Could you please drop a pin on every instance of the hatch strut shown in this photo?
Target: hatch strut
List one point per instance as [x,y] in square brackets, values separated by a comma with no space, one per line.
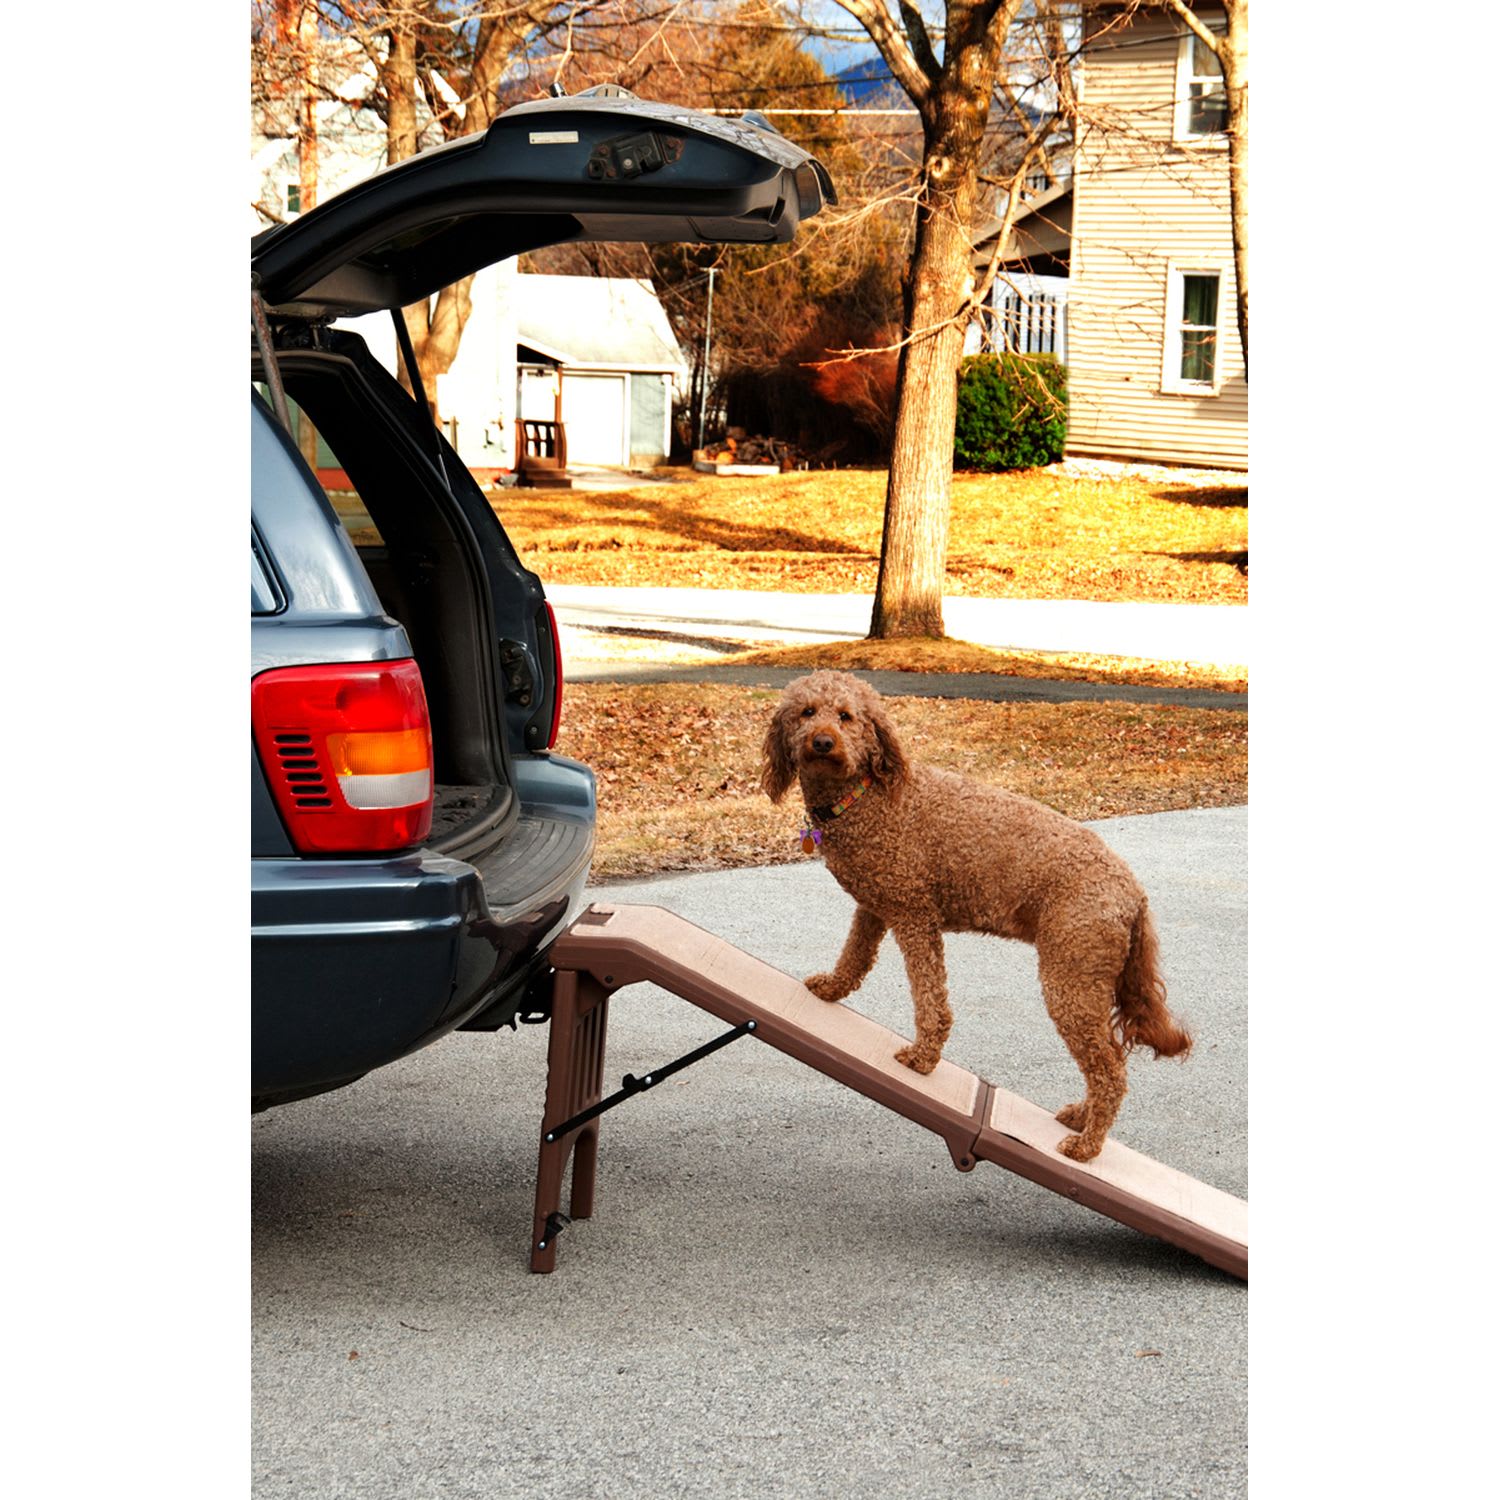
[267,354]
[409,359]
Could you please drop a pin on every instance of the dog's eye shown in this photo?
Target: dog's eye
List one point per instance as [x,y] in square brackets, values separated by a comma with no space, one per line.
[809,711]
[845,716]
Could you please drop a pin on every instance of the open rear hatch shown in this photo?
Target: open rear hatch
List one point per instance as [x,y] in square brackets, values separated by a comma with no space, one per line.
[602,165]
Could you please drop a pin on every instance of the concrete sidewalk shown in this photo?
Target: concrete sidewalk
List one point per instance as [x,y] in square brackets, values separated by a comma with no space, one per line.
[1208,633]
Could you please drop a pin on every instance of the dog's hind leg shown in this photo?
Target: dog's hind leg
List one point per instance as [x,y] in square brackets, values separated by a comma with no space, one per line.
[922,948]
[1080,1009]
[857,959]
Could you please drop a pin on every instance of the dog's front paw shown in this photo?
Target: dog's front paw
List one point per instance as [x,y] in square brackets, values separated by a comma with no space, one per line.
[1076,1147]
[827,986]
[918,1058]
[1074,1116]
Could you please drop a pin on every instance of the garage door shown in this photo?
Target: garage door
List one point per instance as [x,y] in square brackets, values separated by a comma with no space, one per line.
[593,408]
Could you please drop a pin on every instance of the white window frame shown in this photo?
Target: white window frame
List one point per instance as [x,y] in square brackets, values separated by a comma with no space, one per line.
[1172,383]
[1183,99]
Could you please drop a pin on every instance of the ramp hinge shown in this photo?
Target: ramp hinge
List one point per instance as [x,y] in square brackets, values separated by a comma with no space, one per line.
[630,1085]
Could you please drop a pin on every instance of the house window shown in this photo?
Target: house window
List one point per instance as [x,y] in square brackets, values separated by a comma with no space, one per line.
[294,197]
[1190,352]
[1202,108]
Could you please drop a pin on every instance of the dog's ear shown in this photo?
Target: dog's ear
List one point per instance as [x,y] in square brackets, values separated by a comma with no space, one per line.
[778,771]
[888,765]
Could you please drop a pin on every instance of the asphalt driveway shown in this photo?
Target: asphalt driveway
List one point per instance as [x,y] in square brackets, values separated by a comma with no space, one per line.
[785,1290]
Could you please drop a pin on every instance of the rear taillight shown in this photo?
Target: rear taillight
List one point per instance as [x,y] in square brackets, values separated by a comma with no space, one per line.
[557,677]
[348,752]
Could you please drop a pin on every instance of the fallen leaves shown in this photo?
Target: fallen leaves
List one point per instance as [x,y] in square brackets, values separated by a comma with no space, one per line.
[678,765]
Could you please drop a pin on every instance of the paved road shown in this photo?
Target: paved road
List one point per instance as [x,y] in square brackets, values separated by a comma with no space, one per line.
[988,687]
[785,1290]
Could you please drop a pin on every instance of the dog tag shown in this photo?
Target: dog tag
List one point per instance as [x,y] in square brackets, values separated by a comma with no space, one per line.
[811,838]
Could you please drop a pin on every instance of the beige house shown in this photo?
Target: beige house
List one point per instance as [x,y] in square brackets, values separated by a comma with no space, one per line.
[1155,369]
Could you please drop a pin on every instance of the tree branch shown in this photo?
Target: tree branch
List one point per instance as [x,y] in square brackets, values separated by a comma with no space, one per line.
[893,47]
[921,43]
[1195,25]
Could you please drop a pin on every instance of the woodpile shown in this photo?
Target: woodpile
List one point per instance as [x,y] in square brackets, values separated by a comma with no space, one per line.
[738,447]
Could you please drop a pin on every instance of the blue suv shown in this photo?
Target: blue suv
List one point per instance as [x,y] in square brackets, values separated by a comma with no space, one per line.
[417,845]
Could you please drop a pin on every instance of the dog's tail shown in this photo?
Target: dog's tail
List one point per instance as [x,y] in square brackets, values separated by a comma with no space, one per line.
[1141,1015]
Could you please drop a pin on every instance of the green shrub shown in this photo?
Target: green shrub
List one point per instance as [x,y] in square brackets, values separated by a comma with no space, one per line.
[1012,411]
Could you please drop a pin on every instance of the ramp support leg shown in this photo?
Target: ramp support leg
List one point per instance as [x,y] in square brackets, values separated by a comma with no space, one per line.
[575,1076]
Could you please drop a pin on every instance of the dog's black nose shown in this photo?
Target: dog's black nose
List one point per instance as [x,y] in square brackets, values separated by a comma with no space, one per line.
[823,743]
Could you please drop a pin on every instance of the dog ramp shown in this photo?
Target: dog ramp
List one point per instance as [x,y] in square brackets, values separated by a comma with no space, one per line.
[609,947]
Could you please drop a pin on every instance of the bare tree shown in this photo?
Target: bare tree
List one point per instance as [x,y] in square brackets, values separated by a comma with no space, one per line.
[450,57]
[291,86]
[775,307]
[439,69]
[1233,52]
[953,98]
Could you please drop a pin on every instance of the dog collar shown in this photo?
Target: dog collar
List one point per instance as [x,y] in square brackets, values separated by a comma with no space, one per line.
[812,837]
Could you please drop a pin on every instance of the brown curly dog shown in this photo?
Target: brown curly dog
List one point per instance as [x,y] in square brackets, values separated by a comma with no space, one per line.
[924,852]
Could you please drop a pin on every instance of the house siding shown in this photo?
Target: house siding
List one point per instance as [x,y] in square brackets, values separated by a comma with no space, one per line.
[1142,204]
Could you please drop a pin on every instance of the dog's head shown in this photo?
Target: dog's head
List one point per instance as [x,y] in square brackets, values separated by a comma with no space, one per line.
[828,728]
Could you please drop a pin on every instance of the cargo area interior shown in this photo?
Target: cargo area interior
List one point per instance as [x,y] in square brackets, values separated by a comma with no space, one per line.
[421,559]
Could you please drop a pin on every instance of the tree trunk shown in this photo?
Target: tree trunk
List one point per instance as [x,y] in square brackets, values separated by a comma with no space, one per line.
[399,76]
[914,548]
[1233,52]
[1234,58]
[436,326]
[444,327]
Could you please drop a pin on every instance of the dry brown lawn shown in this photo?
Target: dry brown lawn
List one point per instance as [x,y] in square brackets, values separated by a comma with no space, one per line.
[679,765]
[1036,534]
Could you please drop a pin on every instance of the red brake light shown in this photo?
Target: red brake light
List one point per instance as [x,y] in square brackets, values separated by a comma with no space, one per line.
[347,750]
[557,676]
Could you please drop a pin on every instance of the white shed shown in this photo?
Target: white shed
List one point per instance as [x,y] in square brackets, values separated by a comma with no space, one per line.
[598,353]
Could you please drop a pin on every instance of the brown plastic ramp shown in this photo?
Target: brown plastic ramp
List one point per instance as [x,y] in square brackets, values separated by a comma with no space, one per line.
[609,947]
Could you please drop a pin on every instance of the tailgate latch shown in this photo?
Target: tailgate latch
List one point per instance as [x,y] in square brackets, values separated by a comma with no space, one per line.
[630,155]
[520,677]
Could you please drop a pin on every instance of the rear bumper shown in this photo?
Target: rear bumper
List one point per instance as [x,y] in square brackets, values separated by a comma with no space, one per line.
[355,963]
